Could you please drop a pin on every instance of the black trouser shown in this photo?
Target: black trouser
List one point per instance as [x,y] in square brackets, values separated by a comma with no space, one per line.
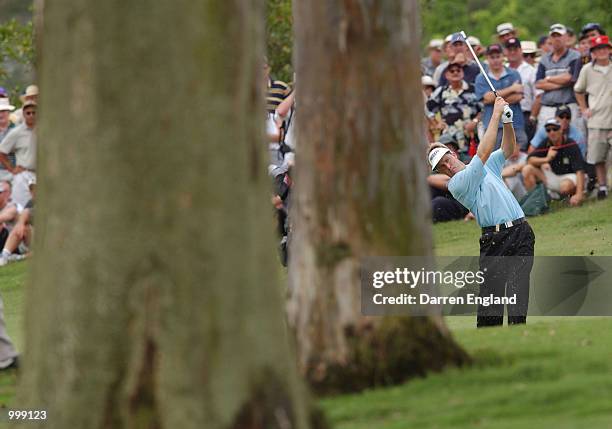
[506,258]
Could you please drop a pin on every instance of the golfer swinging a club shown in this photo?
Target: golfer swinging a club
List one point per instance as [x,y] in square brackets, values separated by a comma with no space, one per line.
[507,241]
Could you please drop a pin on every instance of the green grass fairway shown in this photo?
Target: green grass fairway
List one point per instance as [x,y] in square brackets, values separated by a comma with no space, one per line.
[551,374]
[565,231]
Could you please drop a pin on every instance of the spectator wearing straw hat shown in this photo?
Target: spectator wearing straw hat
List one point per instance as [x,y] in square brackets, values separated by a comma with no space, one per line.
[530,51]
[595,80]
[30,94]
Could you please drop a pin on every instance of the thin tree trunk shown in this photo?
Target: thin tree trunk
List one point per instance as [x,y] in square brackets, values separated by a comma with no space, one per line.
[360,191]
[154,300]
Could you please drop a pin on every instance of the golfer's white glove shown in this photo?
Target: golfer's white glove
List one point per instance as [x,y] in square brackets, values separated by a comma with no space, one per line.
[507,115]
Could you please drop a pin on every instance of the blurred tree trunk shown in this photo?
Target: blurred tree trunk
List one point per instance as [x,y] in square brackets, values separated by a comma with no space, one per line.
[360,191]
[155,300]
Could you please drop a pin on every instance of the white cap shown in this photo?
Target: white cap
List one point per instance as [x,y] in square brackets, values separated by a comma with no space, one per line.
[504,28]
[529,47]
[448,38]
[474,41]
[435,44]
[427,81]
[436,155]
[557,28]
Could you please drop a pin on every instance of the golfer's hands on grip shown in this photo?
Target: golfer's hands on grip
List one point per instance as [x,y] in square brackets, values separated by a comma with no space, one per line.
[498,106]
[507,115]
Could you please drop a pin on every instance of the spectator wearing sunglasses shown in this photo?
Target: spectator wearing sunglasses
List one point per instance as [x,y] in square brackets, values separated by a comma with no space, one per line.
[530,52]
[458,53]
[559,165]
[457,104]
[564,117]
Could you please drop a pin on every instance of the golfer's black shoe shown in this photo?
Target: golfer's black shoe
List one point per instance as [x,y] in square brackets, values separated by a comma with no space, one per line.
[517,320]
[484,321]
[602,195]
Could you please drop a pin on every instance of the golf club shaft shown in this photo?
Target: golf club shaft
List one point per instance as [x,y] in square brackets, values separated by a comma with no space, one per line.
[478,62]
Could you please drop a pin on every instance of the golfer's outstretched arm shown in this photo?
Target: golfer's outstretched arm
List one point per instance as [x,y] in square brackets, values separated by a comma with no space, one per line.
[489,139]
[508,140]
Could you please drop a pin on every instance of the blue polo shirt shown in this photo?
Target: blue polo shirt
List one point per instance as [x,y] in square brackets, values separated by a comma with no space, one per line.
[508,78]
[482,190]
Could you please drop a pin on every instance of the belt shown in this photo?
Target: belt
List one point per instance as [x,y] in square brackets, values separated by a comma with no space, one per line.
[502,226]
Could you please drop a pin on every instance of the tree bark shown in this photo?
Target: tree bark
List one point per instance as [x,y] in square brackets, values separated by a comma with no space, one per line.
[360,191]
[154,300]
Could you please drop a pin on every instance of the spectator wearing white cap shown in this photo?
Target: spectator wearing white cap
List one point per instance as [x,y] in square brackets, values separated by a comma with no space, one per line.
[559,165]
[476,45]
[5,126]
[514,54]
[556,75]
[505,31]
[433,60]
[428,85]
[449,53]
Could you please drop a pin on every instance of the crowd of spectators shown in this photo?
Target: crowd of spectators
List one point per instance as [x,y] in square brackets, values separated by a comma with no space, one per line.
[17,173]
[560,91]
[558,87]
